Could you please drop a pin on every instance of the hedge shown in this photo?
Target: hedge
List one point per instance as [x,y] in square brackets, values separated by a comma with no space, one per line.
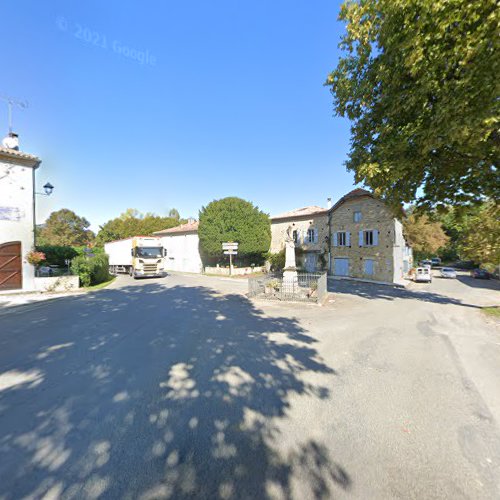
[91,270]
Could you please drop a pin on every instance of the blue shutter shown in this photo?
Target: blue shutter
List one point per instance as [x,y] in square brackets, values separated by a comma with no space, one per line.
[348,238]
[315,235]
[335,240]
[298,236]
[361,238]
[375,237]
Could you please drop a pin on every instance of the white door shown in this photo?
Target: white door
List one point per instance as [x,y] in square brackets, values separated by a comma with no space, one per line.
[340,267]
[310,262]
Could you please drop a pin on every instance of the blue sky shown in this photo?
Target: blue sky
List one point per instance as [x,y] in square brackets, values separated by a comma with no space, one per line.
[153,105]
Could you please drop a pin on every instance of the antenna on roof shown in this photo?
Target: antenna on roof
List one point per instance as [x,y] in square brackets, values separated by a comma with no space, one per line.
[13,102]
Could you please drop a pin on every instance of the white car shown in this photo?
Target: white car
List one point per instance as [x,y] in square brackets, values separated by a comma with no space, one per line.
[448,272]
[423,275]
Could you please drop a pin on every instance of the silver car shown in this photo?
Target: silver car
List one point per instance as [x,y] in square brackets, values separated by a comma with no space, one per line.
[448,272]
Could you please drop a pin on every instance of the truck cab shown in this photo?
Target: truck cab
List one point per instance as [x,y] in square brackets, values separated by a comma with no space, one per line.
[148,257]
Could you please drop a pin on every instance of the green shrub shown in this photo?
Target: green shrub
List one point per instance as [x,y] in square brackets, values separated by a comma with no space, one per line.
[56,255]
[91,270]
[276,260]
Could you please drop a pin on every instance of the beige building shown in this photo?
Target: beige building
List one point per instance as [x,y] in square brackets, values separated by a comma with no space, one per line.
[310,233]
[358,238]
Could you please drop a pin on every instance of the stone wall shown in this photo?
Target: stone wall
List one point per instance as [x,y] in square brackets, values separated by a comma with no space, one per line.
[57,283]
[237,271]
[376,216]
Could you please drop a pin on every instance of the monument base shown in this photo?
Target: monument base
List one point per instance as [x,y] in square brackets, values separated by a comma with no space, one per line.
[290,280]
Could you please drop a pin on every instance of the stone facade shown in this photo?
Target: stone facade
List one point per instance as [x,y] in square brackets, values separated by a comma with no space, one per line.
[310,233]
[358,238]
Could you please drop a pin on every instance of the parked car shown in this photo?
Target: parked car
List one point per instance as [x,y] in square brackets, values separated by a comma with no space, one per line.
[425,263]
[448,272]
[480,274]
[423,275]
[436,261]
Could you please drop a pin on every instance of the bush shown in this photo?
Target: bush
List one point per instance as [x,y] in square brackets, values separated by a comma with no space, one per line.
[91,270]
[56,255]
[276,260]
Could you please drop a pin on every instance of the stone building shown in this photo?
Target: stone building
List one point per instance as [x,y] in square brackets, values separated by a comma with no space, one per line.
[310,233]
[17,179]
[358,238]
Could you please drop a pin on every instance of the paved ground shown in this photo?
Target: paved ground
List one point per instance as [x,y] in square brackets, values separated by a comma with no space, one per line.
[182,388]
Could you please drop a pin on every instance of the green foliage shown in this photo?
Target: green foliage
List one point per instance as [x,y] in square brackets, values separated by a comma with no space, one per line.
[234,220]
[423,234]
[65,228]
[56,255]
[133,223]
[276,260]
[480,240]
[419,82]
[91,270]
[474,233]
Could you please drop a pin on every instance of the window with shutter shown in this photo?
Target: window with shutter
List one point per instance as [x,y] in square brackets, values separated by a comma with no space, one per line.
[360,238]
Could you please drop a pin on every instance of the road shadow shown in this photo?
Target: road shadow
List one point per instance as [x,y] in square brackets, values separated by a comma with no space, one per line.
[155,392]
[388,292]
[491,284]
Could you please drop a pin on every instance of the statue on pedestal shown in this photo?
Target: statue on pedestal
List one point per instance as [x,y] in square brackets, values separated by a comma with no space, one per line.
[290,279]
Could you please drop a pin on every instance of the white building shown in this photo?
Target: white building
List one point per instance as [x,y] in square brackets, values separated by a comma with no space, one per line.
[181,244]
[17,209]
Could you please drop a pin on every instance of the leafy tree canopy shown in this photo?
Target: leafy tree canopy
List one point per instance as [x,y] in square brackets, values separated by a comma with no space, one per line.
[474,233]
[133,223]
[236,220]
[65,228]
[419,82]
[424,235]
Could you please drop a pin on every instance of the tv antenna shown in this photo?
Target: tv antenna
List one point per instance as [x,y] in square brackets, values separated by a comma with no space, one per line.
[10,103]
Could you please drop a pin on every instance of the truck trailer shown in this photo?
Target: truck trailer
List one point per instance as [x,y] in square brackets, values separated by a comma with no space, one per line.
[140,256]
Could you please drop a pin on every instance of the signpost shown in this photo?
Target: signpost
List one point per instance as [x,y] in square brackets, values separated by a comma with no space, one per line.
[230,249]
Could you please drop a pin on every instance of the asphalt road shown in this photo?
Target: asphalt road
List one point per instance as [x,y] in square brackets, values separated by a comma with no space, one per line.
[183,388]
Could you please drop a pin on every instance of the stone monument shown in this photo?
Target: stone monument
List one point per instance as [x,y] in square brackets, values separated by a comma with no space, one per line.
[290,279]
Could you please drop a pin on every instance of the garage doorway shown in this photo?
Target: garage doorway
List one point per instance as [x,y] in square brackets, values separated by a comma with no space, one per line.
[340,267]
[11,275]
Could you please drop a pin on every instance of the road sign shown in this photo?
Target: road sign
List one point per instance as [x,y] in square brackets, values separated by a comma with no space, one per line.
[230,252]
[229,246]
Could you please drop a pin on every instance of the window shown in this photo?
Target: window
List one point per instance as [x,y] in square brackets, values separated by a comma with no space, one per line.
[368,238]
[342,239]
[310,235]
[357,216]
[295,236]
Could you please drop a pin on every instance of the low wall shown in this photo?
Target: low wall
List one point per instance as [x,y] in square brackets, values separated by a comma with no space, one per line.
[57,283]
[237,271]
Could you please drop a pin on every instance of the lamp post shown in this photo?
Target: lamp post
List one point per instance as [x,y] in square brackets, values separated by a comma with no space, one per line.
[47,188]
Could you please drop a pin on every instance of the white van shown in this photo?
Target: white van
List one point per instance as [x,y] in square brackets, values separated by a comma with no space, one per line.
[423,275]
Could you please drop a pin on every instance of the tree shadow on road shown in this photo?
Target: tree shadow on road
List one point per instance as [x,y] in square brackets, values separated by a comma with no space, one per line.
[388,292]
[155,392]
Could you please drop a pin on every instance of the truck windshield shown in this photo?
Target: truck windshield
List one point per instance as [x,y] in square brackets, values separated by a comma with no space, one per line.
[148,251]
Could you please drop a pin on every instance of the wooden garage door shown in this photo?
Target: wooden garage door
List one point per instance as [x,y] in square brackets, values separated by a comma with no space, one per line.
[11,277]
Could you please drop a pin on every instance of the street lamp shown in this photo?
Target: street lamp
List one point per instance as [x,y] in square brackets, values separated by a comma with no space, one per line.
[48,188]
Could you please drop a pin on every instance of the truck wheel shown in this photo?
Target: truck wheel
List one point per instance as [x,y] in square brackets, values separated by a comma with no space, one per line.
[131,272]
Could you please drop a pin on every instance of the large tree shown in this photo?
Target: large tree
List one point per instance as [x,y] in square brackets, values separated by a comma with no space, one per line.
[423,234]
[419,81]
[65,228]
[133,223]
[234,220]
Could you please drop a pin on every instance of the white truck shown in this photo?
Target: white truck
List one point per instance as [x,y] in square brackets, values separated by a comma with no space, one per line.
[140,256]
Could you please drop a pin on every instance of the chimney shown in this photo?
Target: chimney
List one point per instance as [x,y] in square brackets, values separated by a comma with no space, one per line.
[328,203]
[11,141]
